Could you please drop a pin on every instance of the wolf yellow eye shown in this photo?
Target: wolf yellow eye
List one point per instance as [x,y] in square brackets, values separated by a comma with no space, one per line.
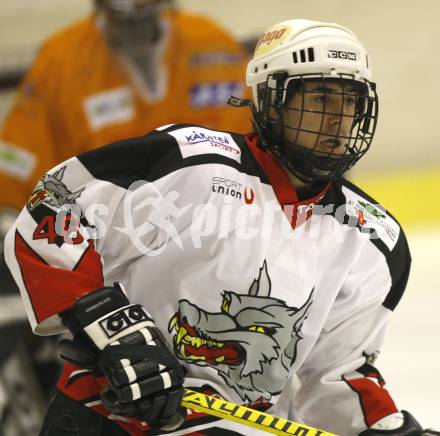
[225,305]
[257,328]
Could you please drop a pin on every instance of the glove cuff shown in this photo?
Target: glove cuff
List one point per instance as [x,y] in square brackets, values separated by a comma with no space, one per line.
[105,315]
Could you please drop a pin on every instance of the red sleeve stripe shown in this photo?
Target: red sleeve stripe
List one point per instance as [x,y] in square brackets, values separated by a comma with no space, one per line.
[376,402]
[52,289]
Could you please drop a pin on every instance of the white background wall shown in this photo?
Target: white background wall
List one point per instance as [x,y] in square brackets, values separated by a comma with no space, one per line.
[410,358]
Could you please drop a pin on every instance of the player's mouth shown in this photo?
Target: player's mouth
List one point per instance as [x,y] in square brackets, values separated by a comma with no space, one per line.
[332,145]
[193,345]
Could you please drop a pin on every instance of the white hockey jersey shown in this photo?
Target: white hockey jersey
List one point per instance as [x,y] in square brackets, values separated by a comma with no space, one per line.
[251,284]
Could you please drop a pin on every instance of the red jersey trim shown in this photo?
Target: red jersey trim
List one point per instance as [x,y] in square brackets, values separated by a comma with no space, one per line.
[83,387]
[376,402]
[52,290]
[295,210]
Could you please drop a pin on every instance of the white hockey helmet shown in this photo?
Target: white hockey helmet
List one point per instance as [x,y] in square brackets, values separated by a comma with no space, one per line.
[295,51]
[307,47]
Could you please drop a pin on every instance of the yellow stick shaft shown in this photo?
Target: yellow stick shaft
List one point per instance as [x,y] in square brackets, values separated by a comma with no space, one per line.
[246,416]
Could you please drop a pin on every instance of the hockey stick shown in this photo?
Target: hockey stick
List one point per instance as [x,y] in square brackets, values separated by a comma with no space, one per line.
[246,416]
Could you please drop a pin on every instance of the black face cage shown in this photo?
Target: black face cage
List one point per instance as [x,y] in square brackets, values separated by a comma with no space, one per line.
[311,163]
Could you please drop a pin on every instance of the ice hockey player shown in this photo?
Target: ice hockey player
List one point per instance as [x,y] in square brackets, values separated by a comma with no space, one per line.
[251,255]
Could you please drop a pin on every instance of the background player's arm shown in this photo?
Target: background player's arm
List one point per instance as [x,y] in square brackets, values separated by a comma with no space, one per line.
[28,138]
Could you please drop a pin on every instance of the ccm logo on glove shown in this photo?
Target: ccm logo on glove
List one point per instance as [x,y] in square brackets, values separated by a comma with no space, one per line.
[116,324]
[120,320]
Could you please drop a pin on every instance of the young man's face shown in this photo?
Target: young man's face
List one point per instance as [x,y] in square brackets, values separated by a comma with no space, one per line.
[320,116]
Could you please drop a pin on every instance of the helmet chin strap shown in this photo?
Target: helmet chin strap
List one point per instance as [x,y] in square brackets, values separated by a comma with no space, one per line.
[255,116]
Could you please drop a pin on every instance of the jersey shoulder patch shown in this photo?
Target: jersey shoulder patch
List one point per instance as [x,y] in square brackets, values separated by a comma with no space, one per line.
[388,237]
[197,140]
[370,214]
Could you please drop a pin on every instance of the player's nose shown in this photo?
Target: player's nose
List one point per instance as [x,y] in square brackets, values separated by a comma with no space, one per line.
[338,122]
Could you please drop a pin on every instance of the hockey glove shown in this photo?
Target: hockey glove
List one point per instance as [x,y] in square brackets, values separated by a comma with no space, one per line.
[410,427]
[122,341]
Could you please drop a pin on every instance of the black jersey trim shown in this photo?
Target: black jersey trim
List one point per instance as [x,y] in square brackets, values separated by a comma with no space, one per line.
[367,370]
[397,289]
[156,155]
[398,259]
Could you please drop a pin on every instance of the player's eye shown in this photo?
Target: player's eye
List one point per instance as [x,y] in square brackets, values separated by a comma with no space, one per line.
[226,304]
[321,98]
[350,101]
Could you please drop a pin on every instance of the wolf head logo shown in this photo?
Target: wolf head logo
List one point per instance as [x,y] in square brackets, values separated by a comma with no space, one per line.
[51,190]
[251,342]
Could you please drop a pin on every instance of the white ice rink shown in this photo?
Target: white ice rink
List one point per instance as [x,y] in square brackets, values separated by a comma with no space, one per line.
[410,359]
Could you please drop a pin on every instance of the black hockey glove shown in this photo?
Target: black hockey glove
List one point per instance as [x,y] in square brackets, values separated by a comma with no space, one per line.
[410,427]
[121,341]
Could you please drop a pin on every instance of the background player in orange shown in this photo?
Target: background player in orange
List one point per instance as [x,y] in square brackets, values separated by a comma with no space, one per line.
[131,66]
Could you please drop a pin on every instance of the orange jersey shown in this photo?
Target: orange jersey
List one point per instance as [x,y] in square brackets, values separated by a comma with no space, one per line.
[79,95]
